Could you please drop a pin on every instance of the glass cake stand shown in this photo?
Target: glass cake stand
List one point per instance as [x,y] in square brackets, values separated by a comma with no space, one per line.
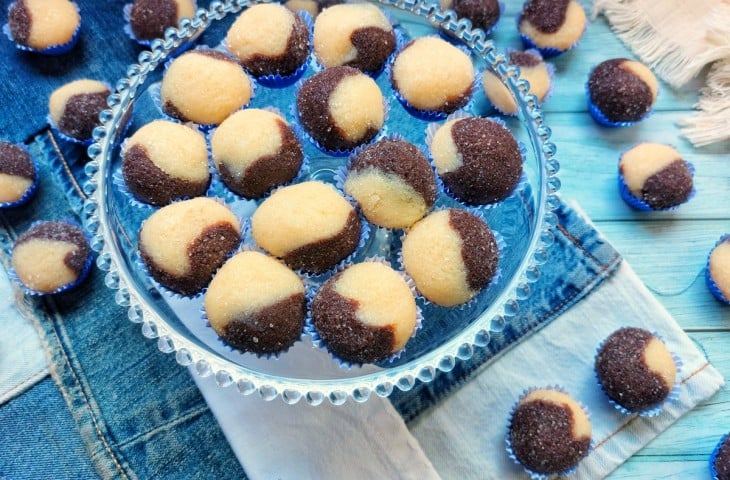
[523,221]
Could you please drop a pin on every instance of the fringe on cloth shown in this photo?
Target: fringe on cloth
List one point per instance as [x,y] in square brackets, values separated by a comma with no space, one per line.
[712,123]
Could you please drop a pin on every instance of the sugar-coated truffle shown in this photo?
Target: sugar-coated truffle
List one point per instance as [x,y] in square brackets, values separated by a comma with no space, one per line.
[17,173]
[269,39]
[721,462]
[309,225]
[164,161]
[549,432]
[255,150]
[341,108]
[451,256]
[657,175]
[256,304]
[149,19]
[184,243]
[392,182]
[552,24]
[205,87]
[51,256]
[312,7]
[433,75]
[483,14]
[718,268]
[365,313]
[41,24]
[478,159]
[75,107]
[635,369]
[358,35]
[622,90]
[532,68]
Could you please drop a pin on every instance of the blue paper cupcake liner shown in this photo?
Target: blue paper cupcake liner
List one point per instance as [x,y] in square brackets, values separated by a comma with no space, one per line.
[640,204]
[449,37]
[711,284]
[82,276]
[53,49]
[546,52]
[601,119]
[127,14]
[25,198]
[713,469]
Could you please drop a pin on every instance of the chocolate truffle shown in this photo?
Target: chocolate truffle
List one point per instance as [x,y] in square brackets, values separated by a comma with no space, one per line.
[42,24]
[552,25]
[532,69]
[483,14]
[718,269]
[312,7]
[17,174]
[164,161]
[309,225]
[451,256]
[430,74]
[205,87]
[358,35]
[51,257]
[657,175]
[269,39]
[365,313]
[622,90]
[149,19]
[392,182]
[549,432]
[256,304]
[75,107]
[635,369]
[255,150]
[478,159]
[184,243]
[721,460]
[341,108]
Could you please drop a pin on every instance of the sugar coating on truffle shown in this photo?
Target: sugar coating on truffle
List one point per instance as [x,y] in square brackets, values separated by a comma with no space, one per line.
[256,304]
[720,267]
[163,161]
[312,7]
[433,75]
[635,369]
[623,90]
[185,242]
[340,107]
[255,150]
[365,313]
[42,24]
[721,463]
[269,39]
[656,174]
[392,182]
[549,431]
[555,24]
[50,256]
[309,225]
[17,172]
[482,13]
[358,35]
[204,86]
[478,159]
[451,256]
[532,69]
[150,18]
[75,107]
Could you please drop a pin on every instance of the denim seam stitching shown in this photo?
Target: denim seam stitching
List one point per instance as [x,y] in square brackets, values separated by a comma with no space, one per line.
[65,165]
[195,413]
[29,379]
[576,242]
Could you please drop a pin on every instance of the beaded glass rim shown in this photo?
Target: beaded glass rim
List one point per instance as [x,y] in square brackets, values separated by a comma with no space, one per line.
[337,391]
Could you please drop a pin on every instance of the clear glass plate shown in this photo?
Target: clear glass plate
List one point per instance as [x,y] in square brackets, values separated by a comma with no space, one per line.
[524,222]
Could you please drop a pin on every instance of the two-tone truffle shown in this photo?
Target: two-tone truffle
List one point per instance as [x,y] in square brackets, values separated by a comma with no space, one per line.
[451,256]
[478,159]
[549,432]
[75,107]
[392,182]
[51,257]
[552,26]
[205,87]
[621,91]
[718,270]
[184,243]
[532,68]
[164,161]
[655,174]
[432,75]
[18,175]
[358,35]
[256,304]
[309,225]
[483,14]
[365,313]
[255,150]
[341,108]
[148,19]
[269,40]
[720,460]
[635,369]
[43,24]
